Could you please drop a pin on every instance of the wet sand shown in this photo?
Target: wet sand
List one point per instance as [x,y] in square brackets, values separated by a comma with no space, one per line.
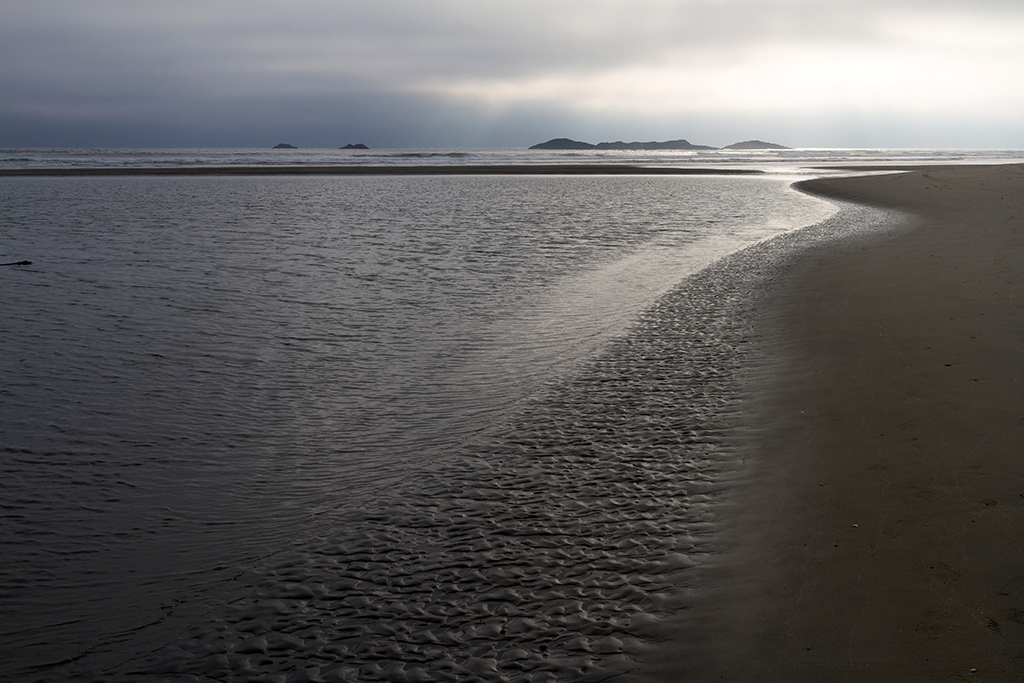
[879,535]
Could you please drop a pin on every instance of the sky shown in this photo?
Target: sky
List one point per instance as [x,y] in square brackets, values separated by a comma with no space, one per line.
[511,73]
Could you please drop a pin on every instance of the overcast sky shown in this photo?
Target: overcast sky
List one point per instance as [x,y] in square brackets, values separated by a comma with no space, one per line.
[509,73]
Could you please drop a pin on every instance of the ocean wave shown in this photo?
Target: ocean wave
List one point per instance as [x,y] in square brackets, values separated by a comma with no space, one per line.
[418,155]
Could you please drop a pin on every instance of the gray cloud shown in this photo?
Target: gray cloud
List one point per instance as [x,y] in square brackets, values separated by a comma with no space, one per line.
[238,72]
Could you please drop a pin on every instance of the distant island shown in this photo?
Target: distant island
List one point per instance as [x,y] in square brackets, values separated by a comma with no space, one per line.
[755,144]
[285,145]
[563,143]
[567,144]
[358,145]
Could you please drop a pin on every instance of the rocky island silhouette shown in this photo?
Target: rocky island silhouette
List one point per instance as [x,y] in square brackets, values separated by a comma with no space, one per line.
[569,144]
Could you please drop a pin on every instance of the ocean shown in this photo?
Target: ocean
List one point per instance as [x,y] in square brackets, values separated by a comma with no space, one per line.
[367,428]
[776,161]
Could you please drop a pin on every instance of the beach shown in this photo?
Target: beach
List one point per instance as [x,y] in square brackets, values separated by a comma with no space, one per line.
[876,537]
[798,464]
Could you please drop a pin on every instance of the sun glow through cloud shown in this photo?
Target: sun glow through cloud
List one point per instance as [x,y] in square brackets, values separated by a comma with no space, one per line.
[941,66]
[784,78]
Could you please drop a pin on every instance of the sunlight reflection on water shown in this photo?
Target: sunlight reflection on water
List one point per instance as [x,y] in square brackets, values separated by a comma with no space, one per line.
[200,371]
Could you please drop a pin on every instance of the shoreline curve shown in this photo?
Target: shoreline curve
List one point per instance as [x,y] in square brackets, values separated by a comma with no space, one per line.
[876,535]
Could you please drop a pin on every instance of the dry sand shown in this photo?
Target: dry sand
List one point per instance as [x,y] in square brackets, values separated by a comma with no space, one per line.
[881,534]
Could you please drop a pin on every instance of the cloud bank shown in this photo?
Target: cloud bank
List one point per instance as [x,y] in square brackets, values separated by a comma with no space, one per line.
[395,73]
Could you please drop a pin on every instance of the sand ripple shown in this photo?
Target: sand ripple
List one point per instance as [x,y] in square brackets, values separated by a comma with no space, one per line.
[550,549]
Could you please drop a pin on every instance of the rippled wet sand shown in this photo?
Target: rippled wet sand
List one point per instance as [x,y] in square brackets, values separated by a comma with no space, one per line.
[560,546]
[544,552]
